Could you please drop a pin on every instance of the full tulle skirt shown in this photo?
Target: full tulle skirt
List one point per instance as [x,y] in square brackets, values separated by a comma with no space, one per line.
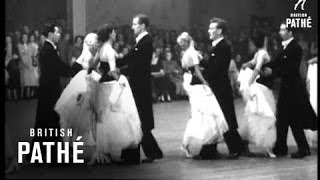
[118,124]
[207,123]
[312,80]
[75,107]
[259,113]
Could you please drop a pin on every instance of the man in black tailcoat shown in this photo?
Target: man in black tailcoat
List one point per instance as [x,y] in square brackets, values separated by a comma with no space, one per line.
[218,79]
[136,65]
[293,108]
[51,68]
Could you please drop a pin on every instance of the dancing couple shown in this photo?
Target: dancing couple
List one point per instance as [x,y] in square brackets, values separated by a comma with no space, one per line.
[213,117]
[111,112]
[268,122]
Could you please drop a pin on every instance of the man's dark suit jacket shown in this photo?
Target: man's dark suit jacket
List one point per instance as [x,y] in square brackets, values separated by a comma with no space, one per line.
[137,67]
[219,82]
[293,103]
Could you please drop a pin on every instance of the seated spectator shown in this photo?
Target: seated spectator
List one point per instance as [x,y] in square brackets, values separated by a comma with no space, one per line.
[173,72]
[76,49]
[36,36]
[12,69]
[158,77]
[64,47]
[42,40]
[26,30]
[27,75]
[34,49]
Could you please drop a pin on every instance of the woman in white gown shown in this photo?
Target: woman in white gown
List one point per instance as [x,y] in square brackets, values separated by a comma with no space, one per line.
[118,124]
[207,123]
[74,106]
[259,126]
[312,82]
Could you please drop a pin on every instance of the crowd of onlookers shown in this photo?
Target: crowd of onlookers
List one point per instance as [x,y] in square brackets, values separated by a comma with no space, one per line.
[22,52]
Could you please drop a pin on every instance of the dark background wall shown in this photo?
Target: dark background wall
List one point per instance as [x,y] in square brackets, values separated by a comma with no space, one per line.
[34,13]
[162,13]
[239,13]
[168,14]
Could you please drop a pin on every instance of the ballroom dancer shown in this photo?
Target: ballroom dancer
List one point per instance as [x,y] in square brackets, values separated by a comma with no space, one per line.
[259,99]
[51,68]
[312,81]
[207,123]
[118,125]
[137,65]
[74,105]
[293,106]
[219,82]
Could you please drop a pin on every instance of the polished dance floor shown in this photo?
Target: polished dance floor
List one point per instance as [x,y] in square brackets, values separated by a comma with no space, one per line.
[170,121]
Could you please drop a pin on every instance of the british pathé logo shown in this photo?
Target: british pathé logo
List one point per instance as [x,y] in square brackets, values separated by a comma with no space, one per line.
[300,2]
[298,19]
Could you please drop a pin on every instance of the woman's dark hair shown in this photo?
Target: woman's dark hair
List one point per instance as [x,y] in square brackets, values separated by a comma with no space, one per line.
[31,34]
[13,42]
[77,37]
[258,39]
[11,36]
[221,24]
[22,34]
[104,32]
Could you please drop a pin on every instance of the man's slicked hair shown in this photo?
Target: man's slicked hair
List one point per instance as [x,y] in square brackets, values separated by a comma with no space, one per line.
[48,28]
[143,19]
[222,24]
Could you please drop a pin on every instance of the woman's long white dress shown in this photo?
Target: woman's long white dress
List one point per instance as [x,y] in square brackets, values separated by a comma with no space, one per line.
[34,48]
[104,114]
[118,124]
[27,76]
[312,78]
[259,126]
[207,123]
[75,105]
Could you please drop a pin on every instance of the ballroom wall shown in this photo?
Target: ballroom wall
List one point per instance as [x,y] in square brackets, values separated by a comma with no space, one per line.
[34,13]
[162,13]
[82,16]
[238,13]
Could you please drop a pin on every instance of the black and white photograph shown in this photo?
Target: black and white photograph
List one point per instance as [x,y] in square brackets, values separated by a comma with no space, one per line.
[160,89]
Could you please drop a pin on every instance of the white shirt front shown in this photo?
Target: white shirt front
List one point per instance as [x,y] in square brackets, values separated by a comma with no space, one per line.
[215,42]
[140,36]
[286,42]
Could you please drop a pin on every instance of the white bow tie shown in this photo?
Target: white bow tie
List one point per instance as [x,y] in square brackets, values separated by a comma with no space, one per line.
[215,43]
[284,43]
